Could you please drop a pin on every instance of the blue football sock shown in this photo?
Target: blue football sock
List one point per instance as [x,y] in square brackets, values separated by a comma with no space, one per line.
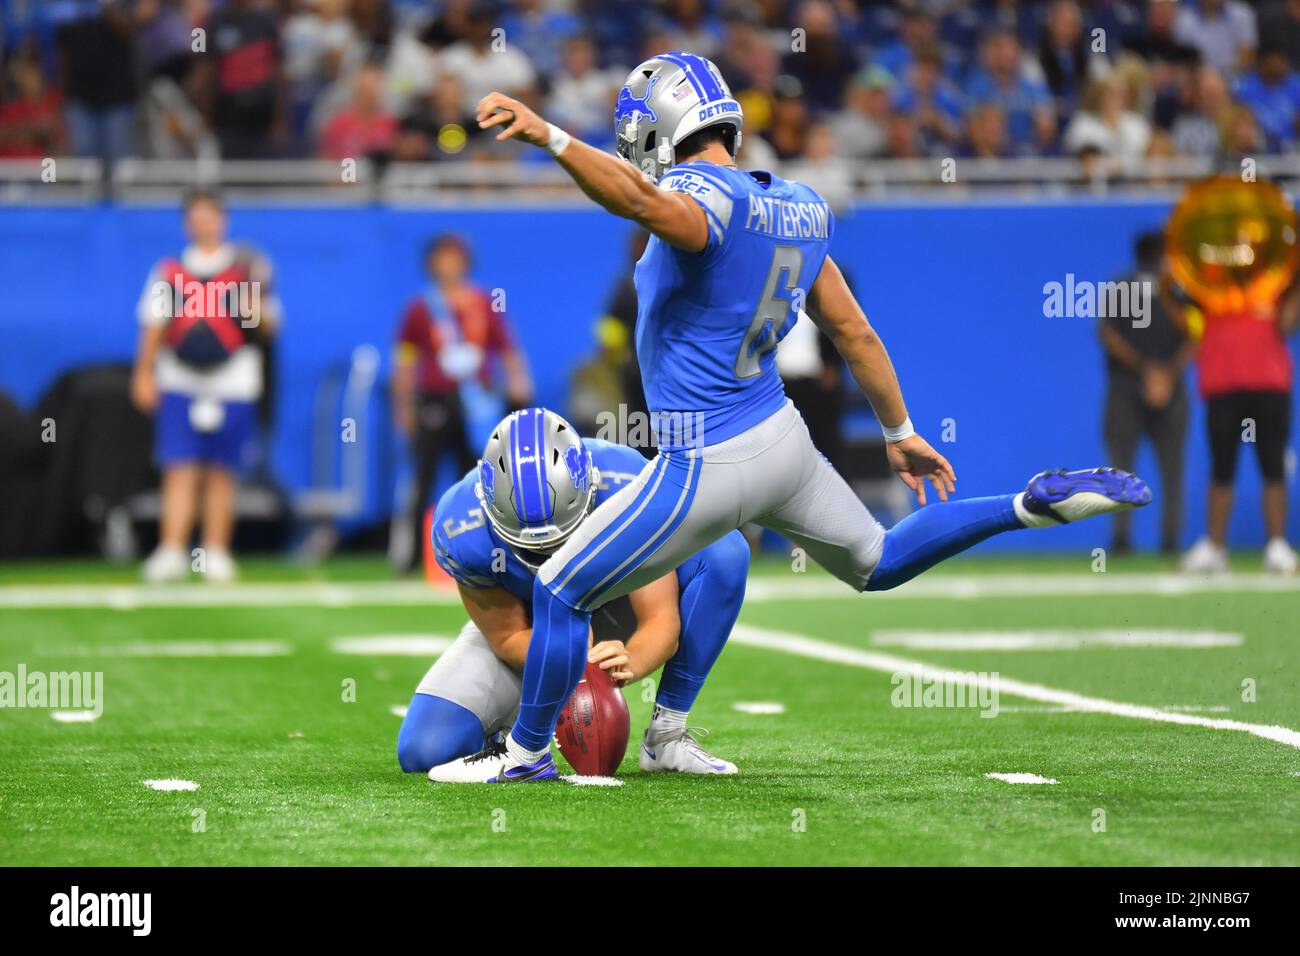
[712,586]
[436,731]
[936,532]
[557,656]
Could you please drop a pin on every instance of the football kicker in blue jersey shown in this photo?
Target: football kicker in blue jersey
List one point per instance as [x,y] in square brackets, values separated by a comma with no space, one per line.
[767,241]
[736,256]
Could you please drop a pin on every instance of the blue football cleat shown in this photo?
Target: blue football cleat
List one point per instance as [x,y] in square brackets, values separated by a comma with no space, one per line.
[1063,496]
[543,769]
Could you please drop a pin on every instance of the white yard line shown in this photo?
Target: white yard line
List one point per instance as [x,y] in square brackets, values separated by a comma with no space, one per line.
[171,784]
[1019,778]
[1185,708]
[759,707]
[760,590]
[580,781]
[1198,708]
[1053,639]
[796,587]
[128,597]
[399,645]
[1039,709]
[814,649]
[184,648]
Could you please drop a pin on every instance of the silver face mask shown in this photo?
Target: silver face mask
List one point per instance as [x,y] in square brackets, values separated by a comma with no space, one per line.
[536,482]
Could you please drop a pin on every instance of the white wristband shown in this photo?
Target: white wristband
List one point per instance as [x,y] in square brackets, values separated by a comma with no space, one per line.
[558,141]
[898,432]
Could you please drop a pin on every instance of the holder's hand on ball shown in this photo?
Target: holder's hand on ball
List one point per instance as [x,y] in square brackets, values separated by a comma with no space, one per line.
[612,657]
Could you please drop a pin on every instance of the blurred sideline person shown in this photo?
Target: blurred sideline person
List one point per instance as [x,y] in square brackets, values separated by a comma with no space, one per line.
[596,387]
[1146,395]
[240,84]
[493,530]
[622,308]
[199,369]
[451,343]
[1246,373]
[97,79]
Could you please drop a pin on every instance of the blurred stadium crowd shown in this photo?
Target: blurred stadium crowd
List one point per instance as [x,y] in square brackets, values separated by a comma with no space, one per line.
[398,79]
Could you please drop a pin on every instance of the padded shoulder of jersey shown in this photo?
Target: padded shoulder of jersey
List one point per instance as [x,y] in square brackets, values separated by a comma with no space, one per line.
[460,534]
[774,185]
[723,178]
[713,187]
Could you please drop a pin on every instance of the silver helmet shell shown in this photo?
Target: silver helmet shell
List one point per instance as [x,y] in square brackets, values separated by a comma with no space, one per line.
[666,99]
[536,481]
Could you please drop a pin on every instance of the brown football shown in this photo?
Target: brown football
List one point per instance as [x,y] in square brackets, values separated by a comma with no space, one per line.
[594,725]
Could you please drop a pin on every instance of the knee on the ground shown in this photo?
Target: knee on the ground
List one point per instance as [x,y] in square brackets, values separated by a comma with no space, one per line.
[436,731]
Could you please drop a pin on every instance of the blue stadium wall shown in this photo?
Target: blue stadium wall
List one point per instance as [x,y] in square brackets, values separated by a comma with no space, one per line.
[955,290]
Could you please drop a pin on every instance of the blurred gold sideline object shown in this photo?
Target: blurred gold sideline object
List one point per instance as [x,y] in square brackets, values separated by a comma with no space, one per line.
[1232,244]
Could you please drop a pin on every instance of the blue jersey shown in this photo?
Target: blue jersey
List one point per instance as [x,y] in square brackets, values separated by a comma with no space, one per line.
[708,323]
[467,548]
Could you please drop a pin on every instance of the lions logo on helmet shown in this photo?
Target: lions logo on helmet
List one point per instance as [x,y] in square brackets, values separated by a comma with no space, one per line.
[578,460]
[665,100]
[630,106]
[486,482]
[536,482]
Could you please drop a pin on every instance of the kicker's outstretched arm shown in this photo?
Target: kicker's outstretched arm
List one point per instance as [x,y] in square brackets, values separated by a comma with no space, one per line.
[611,182]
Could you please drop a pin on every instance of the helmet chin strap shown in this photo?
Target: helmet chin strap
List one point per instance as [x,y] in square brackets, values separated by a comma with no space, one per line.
[666,154]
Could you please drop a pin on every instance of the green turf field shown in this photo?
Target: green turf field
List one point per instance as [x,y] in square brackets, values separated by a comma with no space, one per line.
[290,772]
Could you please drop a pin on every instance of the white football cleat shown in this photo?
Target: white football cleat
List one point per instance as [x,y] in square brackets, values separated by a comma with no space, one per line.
[680,751]
[218,566]
[1279,557]
[494,765]
[1204,557]
[166,564]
